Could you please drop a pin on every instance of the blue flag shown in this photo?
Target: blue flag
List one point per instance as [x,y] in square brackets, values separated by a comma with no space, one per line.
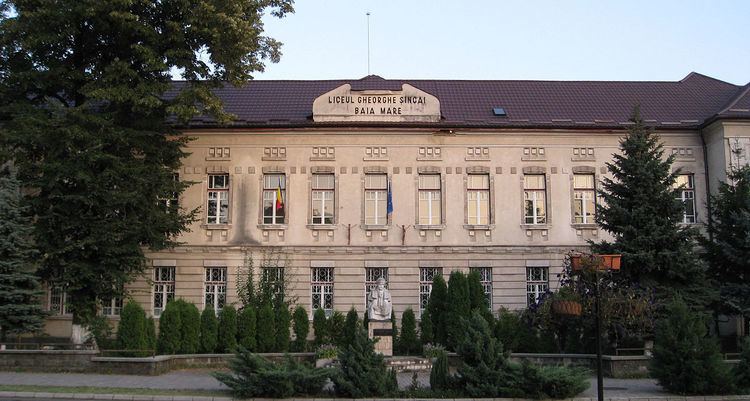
[389,206]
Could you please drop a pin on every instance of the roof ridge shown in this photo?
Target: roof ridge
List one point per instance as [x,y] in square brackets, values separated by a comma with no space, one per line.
[742,92]
[698,74]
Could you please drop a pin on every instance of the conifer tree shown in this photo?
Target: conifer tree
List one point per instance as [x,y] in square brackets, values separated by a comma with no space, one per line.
[477,300]
[209,331]
[408,342]
[266,329]
[459,308]
[437,307]
[131,331]
[282,321]
[170,334]
[686,360]
[246,328]
[727,246]
[227,333]
[641,210]
[190,323]
[85,112]
[363,372]
[742,370]
[350,327]
[301,329]
[320,328]
[394,331]
[336,328]
[150,334]
[426,329]
[20,292]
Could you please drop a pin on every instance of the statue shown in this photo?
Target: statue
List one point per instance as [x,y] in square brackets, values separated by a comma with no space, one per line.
[379,301]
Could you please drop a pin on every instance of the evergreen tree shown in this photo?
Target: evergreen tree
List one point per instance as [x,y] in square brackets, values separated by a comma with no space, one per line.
[394,331]
[85,112]
[509,329]
[150,334]
[20,292]
[320,328]
[209,331]
[132,330]
[727,247]
[437,307]
[686,360]
[190,321]
[742,370]
[439,376]
[169,341]
[282,322]
[477,300]
[362,371]
[266,329]
[227,333]
[459,308]
[408,342]
[641,210]
[350,327]
[246,328]
[336,328]
[301,329]
[426,329]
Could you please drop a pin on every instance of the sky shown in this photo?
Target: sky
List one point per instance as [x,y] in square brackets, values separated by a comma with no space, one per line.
[634,40]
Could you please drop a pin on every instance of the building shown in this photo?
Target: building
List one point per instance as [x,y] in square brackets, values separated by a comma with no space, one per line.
[497,176]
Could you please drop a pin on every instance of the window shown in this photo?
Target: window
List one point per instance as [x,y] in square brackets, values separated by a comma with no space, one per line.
[58,300]
[485,276]
[216,288]
[171,202]
[274,276]
[372,274]
[323,207]
[534,198]
[163,288]
[478,198]
[686,194]
[218,199]
[430,212]
[376,199]
[112,306]
[274,198]
[584,199]
[321,286]
[537,283]
[426,275]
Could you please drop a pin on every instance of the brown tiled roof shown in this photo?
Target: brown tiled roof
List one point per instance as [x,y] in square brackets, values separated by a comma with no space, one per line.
[687,103]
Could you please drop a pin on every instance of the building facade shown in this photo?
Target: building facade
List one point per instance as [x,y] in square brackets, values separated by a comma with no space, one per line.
[355,180]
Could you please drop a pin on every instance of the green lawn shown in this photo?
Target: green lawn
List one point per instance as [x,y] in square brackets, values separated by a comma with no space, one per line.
[110,390]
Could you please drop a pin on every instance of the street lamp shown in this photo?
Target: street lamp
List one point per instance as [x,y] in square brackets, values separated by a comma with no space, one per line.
[596,263]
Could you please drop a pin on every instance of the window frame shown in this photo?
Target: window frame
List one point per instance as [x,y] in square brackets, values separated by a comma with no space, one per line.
[271,193]
[112,307]
[544,191]
[485,274]
[369,189]
[574,192]
[167,290]
[63,305]
[536,287]
[685,189]
[478,191]
[434,221]
[426,278]
[218,191]
[322,277]
[319,195]
[216,287]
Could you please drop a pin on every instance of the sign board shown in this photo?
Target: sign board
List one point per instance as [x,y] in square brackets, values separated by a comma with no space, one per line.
[407,105]
[382,332]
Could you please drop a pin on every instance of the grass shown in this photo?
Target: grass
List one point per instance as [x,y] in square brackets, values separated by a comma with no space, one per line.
[110,390]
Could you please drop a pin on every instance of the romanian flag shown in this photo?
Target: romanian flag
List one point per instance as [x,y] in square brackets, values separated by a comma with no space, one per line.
[279,199]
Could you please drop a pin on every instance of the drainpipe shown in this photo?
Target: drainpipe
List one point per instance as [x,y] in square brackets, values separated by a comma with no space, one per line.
[708,185]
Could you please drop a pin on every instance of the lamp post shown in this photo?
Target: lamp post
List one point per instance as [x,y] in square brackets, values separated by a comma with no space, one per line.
[597,263]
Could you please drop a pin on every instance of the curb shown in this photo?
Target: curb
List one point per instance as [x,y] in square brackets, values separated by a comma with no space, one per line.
[129,397]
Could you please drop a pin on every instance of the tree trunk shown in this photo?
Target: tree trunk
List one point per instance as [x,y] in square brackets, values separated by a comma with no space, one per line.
[79,334]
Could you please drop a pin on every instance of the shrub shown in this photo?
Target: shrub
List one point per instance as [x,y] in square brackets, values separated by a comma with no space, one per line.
[742,370]
[545,382]
[408,342]
[439,378]
[320,327]
[170,325]
[266,329]
[209,331]
[394,331]
[282,329]
[336,328]
[190,320]
[150,334]
[301,329]
[350,327]
[254,376]
[131,333]
[477,300]
[100,331]
[437,307]
[246,328]
[363,372]
[326,351]
[458,309]
[227,336]
[686,360]
[433,351]
[508,329]
[425,329]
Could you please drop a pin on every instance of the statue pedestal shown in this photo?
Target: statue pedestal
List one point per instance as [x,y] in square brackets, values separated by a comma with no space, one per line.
[382,331]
